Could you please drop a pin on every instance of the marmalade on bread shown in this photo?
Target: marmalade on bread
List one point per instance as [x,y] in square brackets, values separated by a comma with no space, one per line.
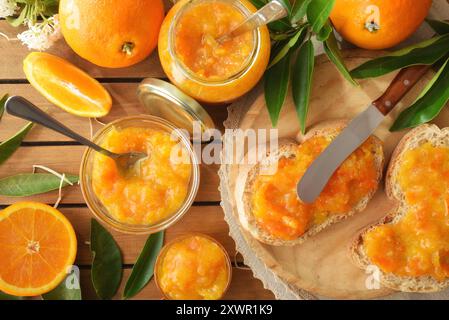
[276,206]
[417,244]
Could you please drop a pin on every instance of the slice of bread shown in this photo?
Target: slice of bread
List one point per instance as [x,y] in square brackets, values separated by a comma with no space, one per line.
[416,137]
[287,149]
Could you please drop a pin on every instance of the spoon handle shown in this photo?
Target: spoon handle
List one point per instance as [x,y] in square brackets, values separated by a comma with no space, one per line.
[22,108]
[274,10]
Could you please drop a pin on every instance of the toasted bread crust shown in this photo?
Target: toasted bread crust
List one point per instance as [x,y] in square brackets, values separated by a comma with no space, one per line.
[417,136]
[287,149]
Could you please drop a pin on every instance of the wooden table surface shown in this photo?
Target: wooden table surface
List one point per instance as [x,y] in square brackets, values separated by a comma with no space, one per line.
[44,147]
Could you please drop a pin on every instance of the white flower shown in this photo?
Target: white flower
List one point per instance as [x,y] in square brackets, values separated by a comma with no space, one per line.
[7,8]
[42,35]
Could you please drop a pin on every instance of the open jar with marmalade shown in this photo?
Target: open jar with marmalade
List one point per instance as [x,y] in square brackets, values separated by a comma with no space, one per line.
[160,188]
[193,267]
[204,68]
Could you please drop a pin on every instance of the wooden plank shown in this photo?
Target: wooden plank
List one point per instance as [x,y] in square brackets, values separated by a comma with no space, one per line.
[204,219]
[125,103]
[13,52]
[243,287]
[67,159]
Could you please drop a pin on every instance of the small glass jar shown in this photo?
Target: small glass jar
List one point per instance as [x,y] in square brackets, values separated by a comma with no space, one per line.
[215,90]
[162,254]
[87,165]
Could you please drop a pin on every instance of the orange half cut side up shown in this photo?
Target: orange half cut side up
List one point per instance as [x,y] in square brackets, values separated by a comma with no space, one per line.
[37,246]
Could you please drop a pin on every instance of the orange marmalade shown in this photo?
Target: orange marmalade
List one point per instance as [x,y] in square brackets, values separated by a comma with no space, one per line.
[208,70]
[157,191]
[197,47]
[417,244]
[276,206]
[194,267]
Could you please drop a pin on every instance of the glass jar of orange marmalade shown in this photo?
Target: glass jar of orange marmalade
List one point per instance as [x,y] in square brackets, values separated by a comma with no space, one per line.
[193,267]
[204,68]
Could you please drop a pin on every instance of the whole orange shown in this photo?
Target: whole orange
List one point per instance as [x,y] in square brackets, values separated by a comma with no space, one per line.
[378,24]
[111,33]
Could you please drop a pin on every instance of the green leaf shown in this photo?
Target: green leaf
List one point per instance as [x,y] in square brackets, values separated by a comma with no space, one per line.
[144,268]
[429,103]
[8,147]
[318,12]
[282,25]
[427,52]
[51,7]
[2,105]
[285,47]
[437,65]
[333,52]
[5,296]
[106,263]
[69,289]
[299,10]
[325,32]
[28,184]
[17,21]
[258,3]
[279,37]
[302,81]
[440,27]
[276,87]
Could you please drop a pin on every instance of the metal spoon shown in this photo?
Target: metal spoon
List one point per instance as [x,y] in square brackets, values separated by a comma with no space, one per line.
[22,108]
[270,12]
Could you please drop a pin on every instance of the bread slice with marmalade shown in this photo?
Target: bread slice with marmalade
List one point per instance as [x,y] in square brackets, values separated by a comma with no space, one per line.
[261,224]
[412,180]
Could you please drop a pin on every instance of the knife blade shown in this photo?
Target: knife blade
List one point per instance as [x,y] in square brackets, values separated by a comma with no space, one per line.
[321,170]
[355,134]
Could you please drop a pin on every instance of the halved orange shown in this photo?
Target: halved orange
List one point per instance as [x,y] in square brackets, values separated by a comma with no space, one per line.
[66,85]
[37,246]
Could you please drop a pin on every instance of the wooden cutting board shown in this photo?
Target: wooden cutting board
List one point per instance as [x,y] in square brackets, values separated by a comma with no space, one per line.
[321,265]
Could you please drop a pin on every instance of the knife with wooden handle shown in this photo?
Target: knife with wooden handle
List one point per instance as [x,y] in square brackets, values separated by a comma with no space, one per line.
[356,133]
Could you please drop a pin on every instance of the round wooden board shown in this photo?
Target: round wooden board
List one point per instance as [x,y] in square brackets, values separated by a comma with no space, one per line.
[321,265]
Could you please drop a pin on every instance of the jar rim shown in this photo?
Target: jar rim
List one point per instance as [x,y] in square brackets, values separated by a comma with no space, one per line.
[187,71]
[168,245]
[102,214]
